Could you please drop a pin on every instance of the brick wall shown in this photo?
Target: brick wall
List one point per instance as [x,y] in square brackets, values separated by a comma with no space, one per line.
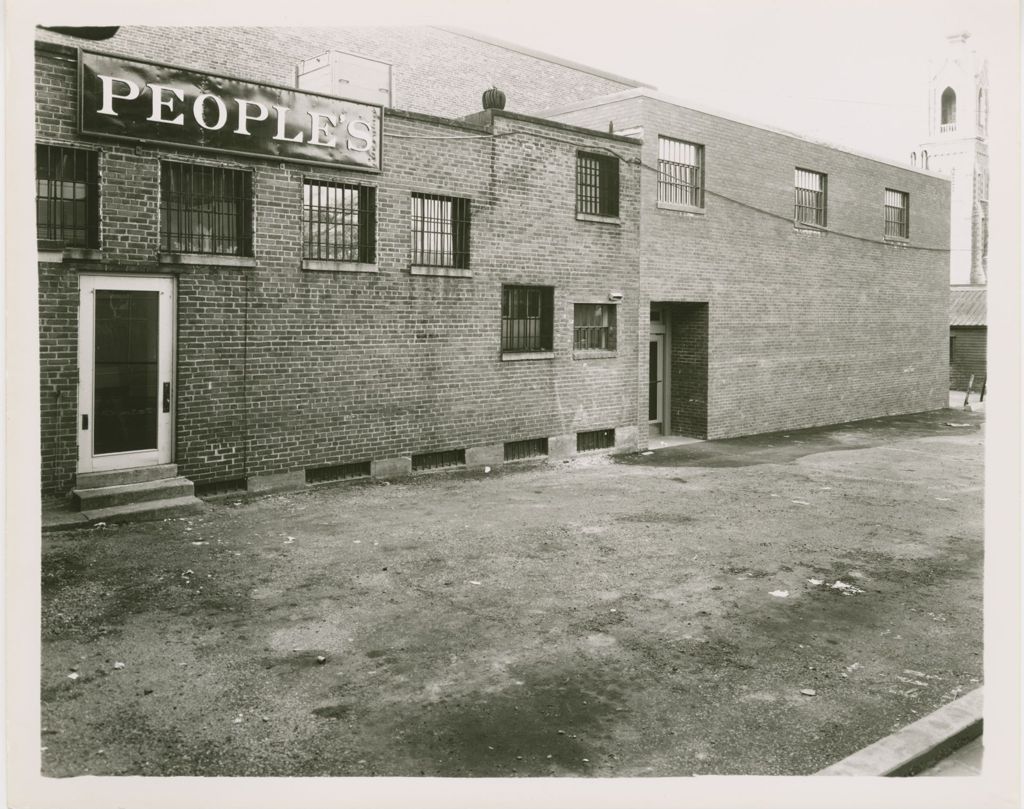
[688,369]
[280,368]
[434,71]
[806,327]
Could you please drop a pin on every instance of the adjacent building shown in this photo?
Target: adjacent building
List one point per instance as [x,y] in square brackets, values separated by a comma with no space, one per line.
[273,257]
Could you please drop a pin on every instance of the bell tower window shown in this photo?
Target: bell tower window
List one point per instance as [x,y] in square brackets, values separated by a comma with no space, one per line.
[948,120]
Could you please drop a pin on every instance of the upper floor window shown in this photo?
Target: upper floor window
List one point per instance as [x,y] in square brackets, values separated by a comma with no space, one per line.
[811,198]
[67,196]
[338,221]
[680,172]
[597,184]
[440,231]
[205,209]
[897,213]
[527,318]
[594,326]
[948,119]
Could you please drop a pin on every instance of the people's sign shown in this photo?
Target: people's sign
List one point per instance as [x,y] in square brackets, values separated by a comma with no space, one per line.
[144,101]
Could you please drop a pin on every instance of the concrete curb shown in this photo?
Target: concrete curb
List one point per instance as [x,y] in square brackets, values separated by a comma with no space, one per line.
[918,745]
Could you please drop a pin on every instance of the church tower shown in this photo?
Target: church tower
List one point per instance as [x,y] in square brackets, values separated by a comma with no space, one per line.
[957,146]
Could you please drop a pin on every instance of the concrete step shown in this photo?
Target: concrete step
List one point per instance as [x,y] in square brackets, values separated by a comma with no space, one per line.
[122,477]
[149,510]
[110,496]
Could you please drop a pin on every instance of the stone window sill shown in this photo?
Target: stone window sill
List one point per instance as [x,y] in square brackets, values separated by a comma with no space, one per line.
[897,241]
[326,265]
[519,356]
[594,354]
[592,217]
[677,206]
[444,272]
[55,254]
[207,259]
[804,227]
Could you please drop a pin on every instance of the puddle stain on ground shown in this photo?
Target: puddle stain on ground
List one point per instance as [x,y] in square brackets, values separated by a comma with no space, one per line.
[553,726]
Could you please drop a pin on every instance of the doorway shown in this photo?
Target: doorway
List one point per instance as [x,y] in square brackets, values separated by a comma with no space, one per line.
[656,388]
[125,360]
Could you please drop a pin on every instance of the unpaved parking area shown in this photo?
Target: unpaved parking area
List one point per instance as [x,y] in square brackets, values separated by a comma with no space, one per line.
[605,617]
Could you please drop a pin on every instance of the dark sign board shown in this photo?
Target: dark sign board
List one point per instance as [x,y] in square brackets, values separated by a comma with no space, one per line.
[124,98]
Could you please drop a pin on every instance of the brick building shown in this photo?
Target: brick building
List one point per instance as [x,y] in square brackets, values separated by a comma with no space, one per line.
[456,287]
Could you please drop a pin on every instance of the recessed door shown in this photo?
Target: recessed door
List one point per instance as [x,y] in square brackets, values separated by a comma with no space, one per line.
[126,353]
[656,385]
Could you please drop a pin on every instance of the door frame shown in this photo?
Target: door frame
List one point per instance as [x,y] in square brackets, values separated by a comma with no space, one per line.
[164,451]
[660,331]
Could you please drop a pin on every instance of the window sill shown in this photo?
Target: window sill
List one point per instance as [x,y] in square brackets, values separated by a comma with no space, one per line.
[444,272]
[519,356]
[594,354]
[328,265]
[678,206]
[897,241]
[805,227]
[57,253]
[207,259]
[593,217]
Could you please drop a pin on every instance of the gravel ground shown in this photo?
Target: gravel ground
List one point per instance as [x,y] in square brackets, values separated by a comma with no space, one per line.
[605,617]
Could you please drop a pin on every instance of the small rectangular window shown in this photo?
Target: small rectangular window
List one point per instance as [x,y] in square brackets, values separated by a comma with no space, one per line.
[67,196]
[594,326]
[528,448]
[595,439]
[205,209]
[527,318]
[597,184]
[338,221]
[811,198]
[897,214]
[680,172]
[438,460]
[440,231]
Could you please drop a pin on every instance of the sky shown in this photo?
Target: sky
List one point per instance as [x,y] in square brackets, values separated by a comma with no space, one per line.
[850,73]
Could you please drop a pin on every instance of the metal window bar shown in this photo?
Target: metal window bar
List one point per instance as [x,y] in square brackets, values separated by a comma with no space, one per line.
[594,326]
[67,196]
[527,448]
[595,439]
[438,460]
[205,209]
[440,231]
[897,213]
[597,184]
[338,222]
[810,208]
[526,318]
[680,172]
[346,471]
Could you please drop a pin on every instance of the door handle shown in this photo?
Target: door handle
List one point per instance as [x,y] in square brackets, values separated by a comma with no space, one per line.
[167,397]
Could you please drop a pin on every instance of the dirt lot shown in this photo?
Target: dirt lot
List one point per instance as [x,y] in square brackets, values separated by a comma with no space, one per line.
[606,617]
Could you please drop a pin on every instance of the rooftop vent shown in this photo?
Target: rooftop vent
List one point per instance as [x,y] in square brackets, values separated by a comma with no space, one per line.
[346,75]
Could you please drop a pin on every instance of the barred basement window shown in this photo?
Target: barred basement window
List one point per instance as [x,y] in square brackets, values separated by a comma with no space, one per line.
[205,209]
[595,439]
[527,318]
[594,326]
[339,222]
[67,196]
[440,231]
[897,213]
[811,199]
[680,172]
[345,471]
[438,460]
[528,448]
[597,184]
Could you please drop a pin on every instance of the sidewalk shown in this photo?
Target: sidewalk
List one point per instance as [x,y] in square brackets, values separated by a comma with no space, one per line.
[965,761]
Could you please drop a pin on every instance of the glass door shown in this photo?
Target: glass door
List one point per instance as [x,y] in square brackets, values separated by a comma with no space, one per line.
[126,354]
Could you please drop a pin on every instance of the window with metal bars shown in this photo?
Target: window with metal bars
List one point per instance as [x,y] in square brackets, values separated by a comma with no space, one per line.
[597,184]
[680,172]
[595,439]
[811,198]
[205,209]
[527,318]
[67,196]
[339,221]
[440,231]
[897,213]
[594,326]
